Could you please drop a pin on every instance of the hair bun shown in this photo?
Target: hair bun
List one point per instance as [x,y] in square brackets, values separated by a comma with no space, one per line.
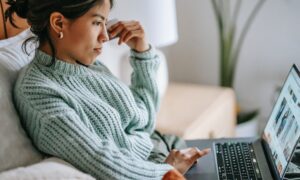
[18,6]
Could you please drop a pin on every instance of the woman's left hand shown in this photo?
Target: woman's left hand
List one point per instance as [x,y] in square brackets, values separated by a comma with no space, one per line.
[131,33]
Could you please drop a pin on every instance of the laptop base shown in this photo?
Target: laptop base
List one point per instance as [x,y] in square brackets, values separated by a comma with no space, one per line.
[205,169]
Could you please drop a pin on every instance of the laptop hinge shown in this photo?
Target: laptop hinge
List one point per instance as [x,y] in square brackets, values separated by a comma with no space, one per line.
[268,157]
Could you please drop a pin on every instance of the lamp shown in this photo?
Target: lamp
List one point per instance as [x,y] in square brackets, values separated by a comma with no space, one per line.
[158,18]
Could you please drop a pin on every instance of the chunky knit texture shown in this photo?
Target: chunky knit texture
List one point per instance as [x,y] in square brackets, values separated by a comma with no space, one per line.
[89,118]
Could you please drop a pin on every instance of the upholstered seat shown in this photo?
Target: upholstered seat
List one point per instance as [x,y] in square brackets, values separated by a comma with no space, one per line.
[194,111]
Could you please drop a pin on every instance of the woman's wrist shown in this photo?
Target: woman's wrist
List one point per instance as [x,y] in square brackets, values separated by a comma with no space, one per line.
[150,53]
[142,49]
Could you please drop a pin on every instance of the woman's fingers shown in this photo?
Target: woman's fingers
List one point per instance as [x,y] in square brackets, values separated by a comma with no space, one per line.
[116,25]
[123,26]
[130,32]
[183,159]
[195,153]
[203,152]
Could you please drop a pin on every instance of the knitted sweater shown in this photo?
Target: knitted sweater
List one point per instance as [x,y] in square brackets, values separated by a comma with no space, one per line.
[89,118]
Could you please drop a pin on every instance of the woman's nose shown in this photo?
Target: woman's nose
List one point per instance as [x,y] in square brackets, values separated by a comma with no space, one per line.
[103,37]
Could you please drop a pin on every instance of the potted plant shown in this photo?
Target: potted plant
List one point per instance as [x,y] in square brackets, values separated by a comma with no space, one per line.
[227,12]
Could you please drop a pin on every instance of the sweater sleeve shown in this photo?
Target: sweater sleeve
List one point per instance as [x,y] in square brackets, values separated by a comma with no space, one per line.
[56,128]
[68,138]
[59,131]
[143,83]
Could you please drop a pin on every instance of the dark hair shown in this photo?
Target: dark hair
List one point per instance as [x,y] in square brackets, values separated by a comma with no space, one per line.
[37,13]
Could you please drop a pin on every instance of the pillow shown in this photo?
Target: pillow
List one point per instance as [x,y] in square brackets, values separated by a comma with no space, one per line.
[49,169]
[12,56]
[16,148]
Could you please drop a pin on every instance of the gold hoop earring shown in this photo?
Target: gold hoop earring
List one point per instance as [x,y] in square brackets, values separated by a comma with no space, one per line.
[61,35]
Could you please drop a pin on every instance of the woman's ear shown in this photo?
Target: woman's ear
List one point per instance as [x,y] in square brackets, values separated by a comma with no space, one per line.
[57,22]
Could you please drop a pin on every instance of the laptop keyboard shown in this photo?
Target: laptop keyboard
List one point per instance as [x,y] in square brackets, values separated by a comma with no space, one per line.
[236,161]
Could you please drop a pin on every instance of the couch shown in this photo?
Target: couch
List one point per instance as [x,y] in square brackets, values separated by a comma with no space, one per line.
[187,110]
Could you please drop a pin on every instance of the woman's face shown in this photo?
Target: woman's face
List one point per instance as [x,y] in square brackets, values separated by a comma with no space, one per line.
[84,37]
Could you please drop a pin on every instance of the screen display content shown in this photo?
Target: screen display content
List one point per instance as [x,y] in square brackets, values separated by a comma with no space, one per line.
[283,129]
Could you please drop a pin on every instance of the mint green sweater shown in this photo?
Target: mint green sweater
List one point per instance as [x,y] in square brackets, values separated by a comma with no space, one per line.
[87,117]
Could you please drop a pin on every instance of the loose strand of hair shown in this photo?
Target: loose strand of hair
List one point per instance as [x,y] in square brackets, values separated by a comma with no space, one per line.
[53,50]
[8,15]
[25,44]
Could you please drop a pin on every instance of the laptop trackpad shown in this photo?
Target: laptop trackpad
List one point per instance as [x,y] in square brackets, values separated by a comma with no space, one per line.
[204,169]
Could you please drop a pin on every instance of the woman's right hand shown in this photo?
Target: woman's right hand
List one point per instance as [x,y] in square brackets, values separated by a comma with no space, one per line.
[183,159]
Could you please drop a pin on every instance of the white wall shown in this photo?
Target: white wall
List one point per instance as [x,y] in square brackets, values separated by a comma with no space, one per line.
[271,46]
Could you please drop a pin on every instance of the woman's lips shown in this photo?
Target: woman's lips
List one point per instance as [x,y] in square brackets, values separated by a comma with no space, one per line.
[98,50]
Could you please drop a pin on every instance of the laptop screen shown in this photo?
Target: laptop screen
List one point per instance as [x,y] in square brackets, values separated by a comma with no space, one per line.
[283,128]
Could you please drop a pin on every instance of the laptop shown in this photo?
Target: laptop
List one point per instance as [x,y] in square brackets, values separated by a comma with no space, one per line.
[266,157]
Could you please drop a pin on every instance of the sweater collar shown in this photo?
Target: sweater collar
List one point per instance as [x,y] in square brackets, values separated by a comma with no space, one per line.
[59,66]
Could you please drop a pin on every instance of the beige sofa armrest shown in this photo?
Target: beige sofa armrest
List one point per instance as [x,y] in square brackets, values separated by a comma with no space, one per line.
[194,111]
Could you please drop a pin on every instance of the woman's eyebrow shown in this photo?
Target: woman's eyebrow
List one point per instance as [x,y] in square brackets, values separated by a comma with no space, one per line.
[99,15]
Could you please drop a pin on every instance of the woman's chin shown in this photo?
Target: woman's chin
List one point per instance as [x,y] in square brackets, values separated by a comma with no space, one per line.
[93,60]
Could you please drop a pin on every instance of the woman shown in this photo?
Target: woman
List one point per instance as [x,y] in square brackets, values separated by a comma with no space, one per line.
[72,106]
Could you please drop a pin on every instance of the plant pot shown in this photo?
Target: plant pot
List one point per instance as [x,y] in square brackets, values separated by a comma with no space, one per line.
[247,118]
[247,129]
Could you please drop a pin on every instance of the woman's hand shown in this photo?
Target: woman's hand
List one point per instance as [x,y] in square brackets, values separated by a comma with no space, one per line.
[183,159]
[131,33]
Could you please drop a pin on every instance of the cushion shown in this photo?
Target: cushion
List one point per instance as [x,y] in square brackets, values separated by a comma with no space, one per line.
[16,148]
[195,111]
[49,169]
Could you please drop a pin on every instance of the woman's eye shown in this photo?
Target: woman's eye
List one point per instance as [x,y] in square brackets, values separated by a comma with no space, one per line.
[97,23]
